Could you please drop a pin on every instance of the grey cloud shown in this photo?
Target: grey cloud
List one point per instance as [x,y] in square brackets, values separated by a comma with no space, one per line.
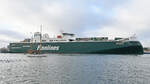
[74,15]
[11,34]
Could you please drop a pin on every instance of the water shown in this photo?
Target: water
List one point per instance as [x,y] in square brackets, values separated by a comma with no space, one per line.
[75,69]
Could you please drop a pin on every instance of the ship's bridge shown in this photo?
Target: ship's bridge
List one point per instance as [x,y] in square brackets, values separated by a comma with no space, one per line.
[69,36]
[37,37]
[64,37]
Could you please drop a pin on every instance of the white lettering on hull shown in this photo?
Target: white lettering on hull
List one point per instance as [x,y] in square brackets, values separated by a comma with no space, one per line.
[48,47]
[26,46]
[16,47]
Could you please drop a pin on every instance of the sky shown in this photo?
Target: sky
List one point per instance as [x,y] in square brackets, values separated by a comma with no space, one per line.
[19,19]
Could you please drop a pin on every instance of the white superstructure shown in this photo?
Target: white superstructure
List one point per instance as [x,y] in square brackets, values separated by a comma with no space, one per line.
[64,37]
[69,37]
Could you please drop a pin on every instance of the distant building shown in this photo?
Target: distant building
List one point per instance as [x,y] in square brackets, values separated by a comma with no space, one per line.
[147,49]
[3,50]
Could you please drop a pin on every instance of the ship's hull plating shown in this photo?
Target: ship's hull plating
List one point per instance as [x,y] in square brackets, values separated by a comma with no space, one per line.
[114,47]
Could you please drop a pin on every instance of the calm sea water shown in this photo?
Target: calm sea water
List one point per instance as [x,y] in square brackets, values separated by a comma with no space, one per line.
[75,69]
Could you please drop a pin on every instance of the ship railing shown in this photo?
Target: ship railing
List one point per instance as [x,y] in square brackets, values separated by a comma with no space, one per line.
[133,38]
[123,39]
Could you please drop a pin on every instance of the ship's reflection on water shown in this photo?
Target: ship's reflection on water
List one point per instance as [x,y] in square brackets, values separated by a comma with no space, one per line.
[74,69]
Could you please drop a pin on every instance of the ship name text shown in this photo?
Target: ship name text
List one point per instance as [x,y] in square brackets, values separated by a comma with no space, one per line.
[48,47]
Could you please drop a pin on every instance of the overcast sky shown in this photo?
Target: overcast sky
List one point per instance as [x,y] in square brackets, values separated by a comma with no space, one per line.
[83,17]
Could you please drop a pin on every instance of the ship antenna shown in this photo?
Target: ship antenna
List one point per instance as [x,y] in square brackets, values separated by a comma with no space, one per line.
[41,28]
[40,38]
[41,32]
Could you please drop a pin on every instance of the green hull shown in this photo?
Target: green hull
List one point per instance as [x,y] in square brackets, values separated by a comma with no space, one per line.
[114,47]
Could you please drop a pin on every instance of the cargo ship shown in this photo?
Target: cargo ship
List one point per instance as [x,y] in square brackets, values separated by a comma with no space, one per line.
[68,43]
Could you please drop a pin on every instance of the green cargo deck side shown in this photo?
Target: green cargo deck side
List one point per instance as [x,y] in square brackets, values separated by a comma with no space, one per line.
[107,47]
